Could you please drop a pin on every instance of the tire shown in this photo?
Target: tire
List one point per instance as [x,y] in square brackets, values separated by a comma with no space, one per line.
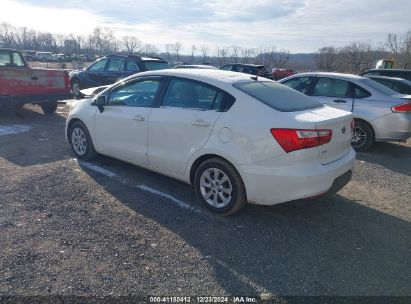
[49,108]
[80,141]
[212,197]
[363,137]
[75,87]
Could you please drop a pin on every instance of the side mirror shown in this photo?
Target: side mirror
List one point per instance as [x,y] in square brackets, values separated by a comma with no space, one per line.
[100,102]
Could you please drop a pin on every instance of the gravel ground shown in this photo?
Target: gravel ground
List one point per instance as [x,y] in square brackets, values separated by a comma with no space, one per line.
[109,228]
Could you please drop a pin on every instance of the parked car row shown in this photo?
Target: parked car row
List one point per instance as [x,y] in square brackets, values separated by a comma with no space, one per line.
[51,57]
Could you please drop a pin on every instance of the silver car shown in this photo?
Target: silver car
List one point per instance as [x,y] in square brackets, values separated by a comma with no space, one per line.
[380,113]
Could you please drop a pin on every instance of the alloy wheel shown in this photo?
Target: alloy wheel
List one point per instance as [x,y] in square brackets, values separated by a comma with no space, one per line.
[79,141]
[216,187]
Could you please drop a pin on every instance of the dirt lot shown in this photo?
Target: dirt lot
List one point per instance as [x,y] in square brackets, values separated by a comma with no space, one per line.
[109,228]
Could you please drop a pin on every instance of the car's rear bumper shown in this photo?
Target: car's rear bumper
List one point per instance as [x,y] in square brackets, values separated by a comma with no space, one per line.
[395,126]
[269,186]
[35,99]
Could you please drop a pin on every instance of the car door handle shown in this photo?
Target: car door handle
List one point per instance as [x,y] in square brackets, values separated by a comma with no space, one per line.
[340,101]
[138,118]
[200,123]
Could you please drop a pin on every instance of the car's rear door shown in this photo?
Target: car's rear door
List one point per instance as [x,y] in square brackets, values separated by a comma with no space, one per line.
[333,92]
[182,124]
[121,129]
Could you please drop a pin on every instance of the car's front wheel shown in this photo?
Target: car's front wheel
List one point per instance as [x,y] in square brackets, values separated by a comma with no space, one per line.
[81,142]
[219,187]
[363,136]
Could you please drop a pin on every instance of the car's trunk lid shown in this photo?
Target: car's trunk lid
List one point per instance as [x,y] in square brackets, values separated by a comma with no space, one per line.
[340,123]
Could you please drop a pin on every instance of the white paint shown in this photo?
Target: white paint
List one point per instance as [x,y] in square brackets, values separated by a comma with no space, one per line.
[13,129]
[179,203]
[98,169]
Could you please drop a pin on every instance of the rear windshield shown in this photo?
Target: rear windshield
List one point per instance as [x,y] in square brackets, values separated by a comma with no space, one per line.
[278,96]
[156,65]
[379,87]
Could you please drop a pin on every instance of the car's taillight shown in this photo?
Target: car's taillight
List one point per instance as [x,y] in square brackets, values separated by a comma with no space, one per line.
[402,108]
[296,139]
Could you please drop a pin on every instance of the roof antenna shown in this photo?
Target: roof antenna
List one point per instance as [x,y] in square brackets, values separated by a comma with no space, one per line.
[256,76]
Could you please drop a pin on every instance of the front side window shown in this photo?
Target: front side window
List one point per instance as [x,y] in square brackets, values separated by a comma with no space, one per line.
[98,66]
[277,96]
[114,65]
[192,95]
[137,94]
[301,84]
[331,87]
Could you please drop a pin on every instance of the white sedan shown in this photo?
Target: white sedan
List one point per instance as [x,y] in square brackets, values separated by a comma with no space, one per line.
[236,138]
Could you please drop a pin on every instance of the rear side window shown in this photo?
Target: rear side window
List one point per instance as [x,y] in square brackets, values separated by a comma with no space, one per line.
[378,86]
[114,65]
[156,65]
[277,96]
[131,66]
[359,92]
[301,84]
[331,87]
[192,95]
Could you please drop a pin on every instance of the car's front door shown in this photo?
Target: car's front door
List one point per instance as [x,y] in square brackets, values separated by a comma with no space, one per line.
[333,92]
[112,71]
[182,124]
[94,74]
[121,129]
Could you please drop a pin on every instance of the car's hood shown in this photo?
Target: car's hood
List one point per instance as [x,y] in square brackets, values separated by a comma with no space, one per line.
[93,91]
[76,72]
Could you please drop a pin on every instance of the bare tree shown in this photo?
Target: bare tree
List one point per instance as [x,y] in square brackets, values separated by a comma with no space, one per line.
[247,53]
[7,35]
[169,49]
[235,53]
[359,56]
[327,59]
[193,49]
[222,53]
[204,51]
[150,50]
[132,44]
[177,48]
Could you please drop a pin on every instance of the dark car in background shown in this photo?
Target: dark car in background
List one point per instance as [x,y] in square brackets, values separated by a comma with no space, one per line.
[109,69]
[399,85]
[252,69]
[397,73]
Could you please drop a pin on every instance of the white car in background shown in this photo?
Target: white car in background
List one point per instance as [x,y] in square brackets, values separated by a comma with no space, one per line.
[380,113]
[235,137]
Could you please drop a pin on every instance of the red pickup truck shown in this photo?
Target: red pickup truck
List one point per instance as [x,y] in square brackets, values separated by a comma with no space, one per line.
[20,84]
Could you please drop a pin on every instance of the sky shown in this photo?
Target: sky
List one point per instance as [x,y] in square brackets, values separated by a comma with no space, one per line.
[300,26]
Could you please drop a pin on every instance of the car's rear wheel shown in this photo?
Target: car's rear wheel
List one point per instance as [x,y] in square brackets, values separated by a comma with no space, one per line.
[219,187]
[363,136]
[75,88]
[81,142]
[49,107]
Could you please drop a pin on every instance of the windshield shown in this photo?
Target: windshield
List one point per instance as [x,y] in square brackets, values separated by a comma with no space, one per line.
[379,87]
[278,96]
[156,65]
